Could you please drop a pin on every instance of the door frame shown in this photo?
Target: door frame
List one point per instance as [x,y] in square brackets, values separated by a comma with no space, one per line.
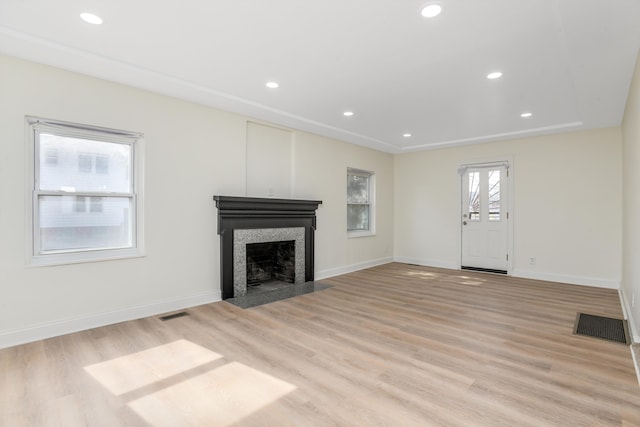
[483,162]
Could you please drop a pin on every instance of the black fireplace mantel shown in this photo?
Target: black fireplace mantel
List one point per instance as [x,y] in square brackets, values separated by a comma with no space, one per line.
[254,212]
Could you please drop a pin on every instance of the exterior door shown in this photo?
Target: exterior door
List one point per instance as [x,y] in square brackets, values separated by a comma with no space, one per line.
[484,218]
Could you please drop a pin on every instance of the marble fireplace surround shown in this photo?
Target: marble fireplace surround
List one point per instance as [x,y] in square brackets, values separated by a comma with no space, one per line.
[254,213]
[242,238]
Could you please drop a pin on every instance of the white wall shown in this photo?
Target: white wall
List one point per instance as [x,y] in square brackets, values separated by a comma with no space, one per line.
[269,161]
[192,153]
[630,288]
[320,168]
[567,205]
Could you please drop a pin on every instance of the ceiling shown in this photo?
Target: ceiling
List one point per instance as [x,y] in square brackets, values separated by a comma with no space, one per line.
[568,62]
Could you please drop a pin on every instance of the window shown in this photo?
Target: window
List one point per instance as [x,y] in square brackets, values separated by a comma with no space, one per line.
[360,206]
[80,204]
[96,204]
[88,207]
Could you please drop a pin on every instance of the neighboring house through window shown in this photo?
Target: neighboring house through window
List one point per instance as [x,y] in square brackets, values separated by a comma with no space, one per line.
[86,204]
[360,203]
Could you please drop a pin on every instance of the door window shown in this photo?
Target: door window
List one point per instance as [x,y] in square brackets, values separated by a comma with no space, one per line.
[494,195]
[474,196]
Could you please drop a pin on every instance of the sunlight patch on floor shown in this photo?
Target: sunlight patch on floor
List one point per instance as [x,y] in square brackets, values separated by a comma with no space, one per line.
[134,371]
[422,274]
[220,397]
[471,282]
[468,280]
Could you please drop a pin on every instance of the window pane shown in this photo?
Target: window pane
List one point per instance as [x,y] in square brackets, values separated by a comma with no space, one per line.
[84,165]
[62,227]
[80,204]
[474,196]
[51,157]
[357,217]
[494,195]
[357,189]
[102,164]
[96,204]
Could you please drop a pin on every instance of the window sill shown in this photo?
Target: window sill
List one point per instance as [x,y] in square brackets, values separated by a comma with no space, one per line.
[83,257]
[357,234]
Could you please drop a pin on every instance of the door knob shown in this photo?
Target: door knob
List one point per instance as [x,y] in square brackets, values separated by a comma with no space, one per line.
[464,222]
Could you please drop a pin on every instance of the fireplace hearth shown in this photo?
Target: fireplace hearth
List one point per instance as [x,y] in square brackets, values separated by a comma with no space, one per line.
[265,241]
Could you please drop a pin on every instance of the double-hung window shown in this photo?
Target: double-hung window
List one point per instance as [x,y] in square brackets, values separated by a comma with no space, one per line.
[360,202]
[85,193]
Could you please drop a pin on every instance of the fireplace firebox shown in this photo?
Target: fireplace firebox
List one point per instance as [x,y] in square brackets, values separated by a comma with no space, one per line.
[271,261]
[281,229]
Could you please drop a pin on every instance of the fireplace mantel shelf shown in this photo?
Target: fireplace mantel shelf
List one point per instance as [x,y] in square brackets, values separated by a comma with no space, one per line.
[268,204]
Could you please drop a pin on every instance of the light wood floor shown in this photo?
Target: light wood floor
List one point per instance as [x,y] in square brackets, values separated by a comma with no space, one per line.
[395,345]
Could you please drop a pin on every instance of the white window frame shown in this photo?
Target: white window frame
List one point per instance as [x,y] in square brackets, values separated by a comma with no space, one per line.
[36,257]
[372,203]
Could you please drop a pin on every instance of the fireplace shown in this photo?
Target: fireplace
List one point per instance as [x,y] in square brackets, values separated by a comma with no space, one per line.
[275,239]
[264,241]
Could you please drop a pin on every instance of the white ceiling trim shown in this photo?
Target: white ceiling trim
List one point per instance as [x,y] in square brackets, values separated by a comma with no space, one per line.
[496,137]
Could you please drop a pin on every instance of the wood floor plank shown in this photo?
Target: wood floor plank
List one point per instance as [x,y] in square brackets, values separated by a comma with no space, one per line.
[392,345]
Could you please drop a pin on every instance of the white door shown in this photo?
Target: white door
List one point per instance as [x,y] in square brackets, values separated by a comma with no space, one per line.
[484,218]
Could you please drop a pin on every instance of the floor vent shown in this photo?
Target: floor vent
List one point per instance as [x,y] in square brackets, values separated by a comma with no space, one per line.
[484,270]
[606,328]
[174,316]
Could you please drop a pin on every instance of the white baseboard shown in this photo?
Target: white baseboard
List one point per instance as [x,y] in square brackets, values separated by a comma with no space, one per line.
[635,363]
[635,338]
[428,262]
[81,323]
[562,278]
[525,274]
[628,314]
[331,272]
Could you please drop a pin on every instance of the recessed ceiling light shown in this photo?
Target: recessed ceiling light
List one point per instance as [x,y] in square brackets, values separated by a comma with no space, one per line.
[525,115]
[348,113]
[494,75]
[431,10]
[272,85]
[91,18]
[406,135]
